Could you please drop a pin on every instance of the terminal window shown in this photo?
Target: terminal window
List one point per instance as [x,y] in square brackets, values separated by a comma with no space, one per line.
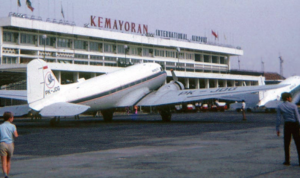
[49,41]
[27,38]
[96,57]
[134,51]
[10,37]
[189,56]
[9,60]
[108,48]
[160,53]
[222,60]
[170,54]
[110,58]
[181,55]
[95,46]
[81,56]
[197,57]
[215,59]
[65,43]
[79,44]
[146,52]
[206,58]
[136,61]
[121,49]
[170,63]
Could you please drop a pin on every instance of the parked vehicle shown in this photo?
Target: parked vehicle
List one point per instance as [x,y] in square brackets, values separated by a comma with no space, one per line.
[204,107]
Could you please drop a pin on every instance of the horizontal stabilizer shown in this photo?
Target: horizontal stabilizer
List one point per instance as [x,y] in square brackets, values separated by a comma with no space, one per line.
[14,94]
[63,109]
[272,104]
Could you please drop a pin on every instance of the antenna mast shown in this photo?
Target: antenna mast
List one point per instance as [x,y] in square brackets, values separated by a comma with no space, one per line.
[262,66]
[281,66]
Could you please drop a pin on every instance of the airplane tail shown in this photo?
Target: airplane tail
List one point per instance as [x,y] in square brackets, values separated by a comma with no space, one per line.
[41,82]
[43,92]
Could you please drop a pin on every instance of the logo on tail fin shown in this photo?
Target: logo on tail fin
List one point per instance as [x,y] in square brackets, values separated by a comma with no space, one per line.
[49,80]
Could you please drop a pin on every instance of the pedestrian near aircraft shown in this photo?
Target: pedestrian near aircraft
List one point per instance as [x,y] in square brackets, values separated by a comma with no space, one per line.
[140,84]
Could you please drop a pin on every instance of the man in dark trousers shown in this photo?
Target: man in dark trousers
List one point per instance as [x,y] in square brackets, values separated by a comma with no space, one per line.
[290,114]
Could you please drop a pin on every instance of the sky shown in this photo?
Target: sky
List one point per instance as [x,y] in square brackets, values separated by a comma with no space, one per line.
[264,29]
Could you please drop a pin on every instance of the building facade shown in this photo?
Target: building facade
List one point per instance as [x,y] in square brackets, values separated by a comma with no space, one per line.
[75,52]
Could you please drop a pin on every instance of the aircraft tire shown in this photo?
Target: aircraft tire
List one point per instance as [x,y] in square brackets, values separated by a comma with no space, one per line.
[165,114]
[107,114]
[55,121]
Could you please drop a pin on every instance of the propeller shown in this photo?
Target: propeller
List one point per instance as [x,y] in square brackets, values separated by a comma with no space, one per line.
[174,76]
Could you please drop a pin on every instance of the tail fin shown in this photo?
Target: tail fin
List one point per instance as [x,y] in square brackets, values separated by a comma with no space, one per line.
[41,82]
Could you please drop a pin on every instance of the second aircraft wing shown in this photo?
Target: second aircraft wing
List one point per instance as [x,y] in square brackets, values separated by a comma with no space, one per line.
[165,97]
[14,94]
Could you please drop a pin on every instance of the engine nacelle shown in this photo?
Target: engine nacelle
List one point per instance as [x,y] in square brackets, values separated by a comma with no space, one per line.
[172,85]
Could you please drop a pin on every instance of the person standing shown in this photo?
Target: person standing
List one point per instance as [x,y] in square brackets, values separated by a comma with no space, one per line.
[290,114]
[7,131]
[244,110]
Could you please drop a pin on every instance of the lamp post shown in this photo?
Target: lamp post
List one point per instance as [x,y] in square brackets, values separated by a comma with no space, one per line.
[125,49]
[44,37]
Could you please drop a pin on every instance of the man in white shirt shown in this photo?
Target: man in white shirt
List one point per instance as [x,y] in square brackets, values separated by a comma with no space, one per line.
[244,109]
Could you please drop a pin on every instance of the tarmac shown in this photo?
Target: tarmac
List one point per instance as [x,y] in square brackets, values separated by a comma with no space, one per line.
[251,152]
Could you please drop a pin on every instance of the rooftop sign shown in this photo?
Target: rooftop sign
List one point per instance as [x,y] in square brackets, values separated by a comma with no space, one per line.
[199,39]
[120,25]
[131,27]
[167,34]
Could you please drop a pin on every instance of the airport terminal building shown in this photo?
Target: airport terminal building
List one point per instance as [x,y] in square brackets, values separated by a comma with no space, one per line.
[75,52]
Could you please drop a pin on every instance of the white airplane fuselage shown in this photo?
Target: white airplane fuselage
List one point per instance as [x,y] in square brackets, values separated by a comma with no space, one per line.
[116,89]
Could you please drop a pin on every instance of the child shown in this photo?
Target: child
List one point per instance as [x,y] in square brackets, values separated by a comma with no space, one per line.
[7,130]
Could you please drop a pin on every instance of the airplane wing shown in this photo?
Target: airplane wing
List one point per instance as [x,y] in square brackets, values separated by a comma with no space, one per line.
[178,96]
[131,98]
[17,110]
[14,94]
[239,97]
[63,109]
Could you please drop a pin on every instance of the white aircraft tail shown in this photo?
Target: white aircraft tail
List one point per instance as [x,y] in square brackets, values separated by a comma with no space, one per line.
[43,92]
[41,82]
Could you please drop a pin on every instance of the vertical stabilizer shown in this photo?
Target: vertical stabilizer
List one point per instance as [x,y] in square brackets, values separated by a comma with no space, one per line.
[41,82]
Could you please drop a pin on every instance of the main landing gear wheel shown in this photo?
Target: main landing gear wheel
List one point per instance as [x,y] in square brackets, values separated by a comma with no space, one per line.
[55,121]
[35,115]
[107,114]
[165,113]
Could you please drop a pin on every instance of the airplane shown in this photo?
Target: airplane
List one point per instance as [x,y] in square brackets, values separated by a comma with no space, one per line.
[269,99]
[140,84]
[272,98]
